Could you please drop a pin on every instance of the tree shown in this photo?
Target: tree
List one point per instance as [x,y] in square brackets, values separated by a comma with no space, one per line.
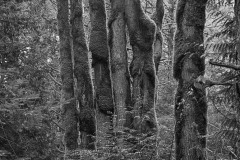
[98,45]
[82,71]
[142,34]
[190,101]
[237,18]
[119,64]
[158,18]
[66,67]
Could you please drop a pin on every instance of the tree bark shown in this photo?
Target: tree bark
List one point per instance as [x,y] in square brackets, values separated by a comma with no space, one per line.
[82,71]
[68,106]
[190,102]
[142,34]
[237,15]
[100,54]
[158,18]
[119,65]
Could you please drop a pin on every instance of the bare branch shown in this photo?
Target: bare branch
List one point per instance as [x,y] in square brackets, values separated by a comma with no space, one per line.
[58,125]
[202,82]
[58,83]
[221,64]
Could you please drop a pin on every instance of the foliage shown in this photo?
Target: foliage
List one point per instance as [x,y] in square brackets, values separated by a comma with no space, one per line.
[29,96]
[30,123]
[221,47]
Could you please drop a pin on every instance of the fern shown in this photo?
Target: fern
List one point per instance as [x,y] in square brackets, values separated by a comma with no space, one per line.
[221,47]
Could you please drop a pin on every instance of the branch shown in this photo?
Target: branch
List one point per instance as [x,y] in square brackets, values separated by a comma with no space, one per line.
[56,70]
[210,83]
[202,82]
[58,125]
[221,64]
[58,83]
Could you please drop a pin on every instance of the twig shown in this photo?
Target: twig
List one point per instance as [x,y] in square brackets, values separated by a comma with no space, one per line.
[221,64]
[58,83]
[56,70]
[58,125]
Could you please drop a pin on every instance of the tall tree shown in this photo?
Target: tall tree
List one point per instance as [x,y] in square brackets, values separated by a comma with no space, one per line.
[82,71]
[142,34]
[68,106]
[119,64]
[158,18]
[190,101]
[100,55]
[237,16]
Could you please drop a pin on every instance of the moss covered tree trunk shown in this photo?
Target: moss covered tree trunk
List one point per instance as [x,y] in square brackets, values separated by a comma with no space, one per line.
[158,18]
[119,64]
[100,55]
[142,34]
[82,71]
[190,101]
[69,111]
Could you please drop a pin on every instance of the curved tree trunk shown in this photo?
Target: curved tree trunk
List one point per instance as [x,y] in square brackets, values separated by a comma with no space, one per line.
[142,34]
[68,106]
[190,102]
[158,18]
[82,71]
[100,54]
[119,65]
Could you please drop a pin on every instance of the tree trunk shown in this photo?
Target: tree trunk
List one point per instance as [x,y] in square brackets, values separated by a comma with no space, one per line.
[171,28]
[68,106]
[82,71]
[100,54]
[158,18]
[142,34]
[119,65]
[190,102]
[237,14]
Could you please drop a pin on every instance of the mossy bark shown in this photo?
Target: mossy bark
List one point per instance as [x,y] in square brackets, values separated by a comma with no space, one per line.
[190,102]
[119,65]
[82,71]
[158,18]
[69,110]
[142,34]
[100,55]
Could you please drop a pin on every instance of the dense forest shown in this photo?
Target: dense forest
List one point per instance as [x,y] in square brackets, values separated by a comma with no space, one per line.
[119,79]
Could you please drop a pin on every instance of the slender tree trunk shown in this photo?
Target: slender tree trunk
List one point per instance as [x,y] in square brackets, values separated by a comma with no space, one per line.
[119,65]
[237,14]
[158,18]
[68,106]
[142,34]
[82,71]
[100,54]
[190,102]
